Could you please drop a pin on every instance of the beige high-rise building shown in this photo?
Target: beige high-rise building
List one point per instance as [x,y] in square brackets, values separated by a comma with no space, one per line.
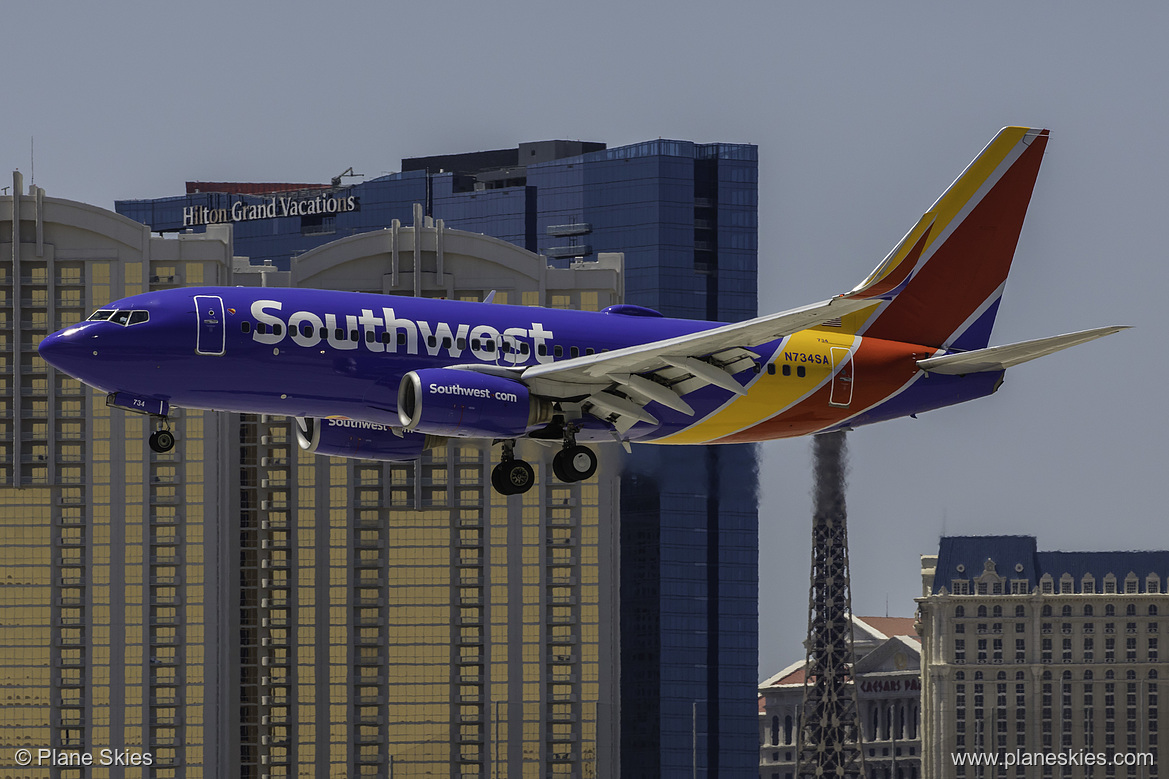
[405,615]
[1047,662]
[114,621]
[240,607]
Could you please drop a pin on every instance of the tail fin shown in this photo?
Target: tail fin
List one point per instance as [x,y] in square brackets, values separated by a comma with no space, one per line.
[942,284]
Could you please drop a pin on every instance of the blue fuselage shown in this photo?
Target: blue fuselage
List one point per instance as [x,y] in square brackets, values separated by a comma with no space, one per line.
[318,353]
[322,353]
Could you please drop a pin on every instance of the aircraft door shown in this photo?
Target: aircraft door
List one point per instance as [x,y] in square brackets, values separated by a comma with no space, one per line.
[211,336]
[842,376]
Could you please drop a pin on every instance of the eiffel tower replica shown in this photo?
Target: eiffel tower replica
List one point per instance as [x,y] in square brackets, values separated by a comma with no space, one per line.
[829,738]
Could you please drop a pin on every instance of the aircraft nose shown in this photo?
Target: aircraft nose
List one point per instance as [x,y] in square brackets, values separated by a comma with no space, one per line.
[65,349]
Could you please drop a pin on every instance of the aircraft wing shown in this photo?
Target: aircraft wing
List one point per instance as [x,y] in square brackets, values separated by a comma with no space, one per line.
[997,358]
[684,363]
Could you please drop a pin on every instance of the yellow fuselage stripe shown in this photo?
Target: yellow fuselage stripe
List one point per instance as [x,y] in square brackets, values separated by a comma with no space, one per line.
[770,394]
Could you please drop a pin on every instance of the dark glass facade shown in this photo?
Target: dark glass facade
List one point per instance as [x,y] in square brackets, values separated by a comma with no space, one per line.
[685,216]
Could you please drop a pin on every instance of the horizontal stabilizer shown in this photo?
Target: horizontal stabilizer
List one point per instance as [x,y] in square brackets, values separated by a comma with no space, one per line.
[997,358]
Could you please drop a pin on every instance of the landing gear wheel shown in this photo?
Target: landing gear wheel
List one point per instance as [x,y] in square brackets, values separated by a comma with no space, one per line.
[162,441]
[574,463]
[512,477]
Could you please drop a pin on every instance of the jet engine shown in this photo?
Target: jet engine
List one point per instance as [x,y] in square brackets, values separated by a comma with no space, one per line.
[468,404]
[360,440]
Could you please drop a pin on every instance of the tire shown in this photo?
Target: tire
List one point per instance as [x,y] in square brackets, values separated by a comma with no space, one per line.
[499,479]
[576,463]
[514,477]
[162,441]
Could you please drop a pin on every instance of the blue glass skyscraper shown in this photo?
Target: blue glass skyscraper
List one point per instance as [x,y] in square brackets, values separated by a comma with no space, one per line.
[685,216]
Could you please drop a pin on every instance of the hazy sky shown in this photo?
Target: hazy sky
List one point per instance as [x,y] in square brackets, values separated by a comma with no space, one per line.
[863,114]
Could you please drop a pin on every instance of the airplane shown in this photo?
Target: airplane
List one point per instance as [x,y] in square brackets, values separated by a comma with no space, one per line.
[386,377]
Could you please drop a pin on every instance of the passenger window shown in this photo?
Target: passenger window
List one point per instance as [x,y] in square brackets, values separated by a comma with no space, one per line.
[401,339]
[771,369]
[431,341]
[559,350]
[787,370]
[801,371]
[339,334]
[446,343]
[386,337]
[462,343]
[245,327]
[138,317]
[277,329]
[524,349]
[542,350]
[354,335]
[489,346]
[475,344]
[324,333]
[261,328]
[369,336]
[307,331]
[575,351]
[590,350]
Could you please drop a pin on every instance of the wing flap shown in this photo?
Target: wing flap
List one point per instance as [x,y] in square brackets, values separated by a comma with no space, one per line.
[997,358]
[651,390]
[610,405]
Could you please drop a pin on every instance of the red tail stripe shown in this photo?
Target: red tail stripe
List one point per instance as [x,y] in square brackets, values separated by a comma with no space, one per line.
[969,266]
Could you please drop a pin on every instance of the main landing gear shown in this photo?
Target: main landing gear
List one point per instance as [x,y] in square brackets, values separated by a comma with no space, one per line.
[572,463]
[162,440]
[512,476]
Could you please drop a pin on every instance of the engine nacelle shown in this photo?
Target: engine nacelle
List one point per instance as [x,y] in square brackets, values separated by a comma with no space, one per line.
[468,404]
[360,440]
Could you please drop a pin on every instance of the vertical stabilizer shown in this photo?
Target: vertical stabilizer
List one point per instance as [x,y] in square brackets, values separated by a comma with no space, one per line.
[942,284]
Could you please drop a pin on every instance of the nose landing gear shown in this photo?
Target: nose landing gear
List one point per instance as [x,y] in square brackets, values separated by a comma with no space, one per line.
[162,440]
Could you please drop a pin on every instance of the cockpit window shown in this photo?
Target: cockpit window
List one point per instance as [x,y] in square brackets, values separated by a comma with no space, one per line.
[124,318]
